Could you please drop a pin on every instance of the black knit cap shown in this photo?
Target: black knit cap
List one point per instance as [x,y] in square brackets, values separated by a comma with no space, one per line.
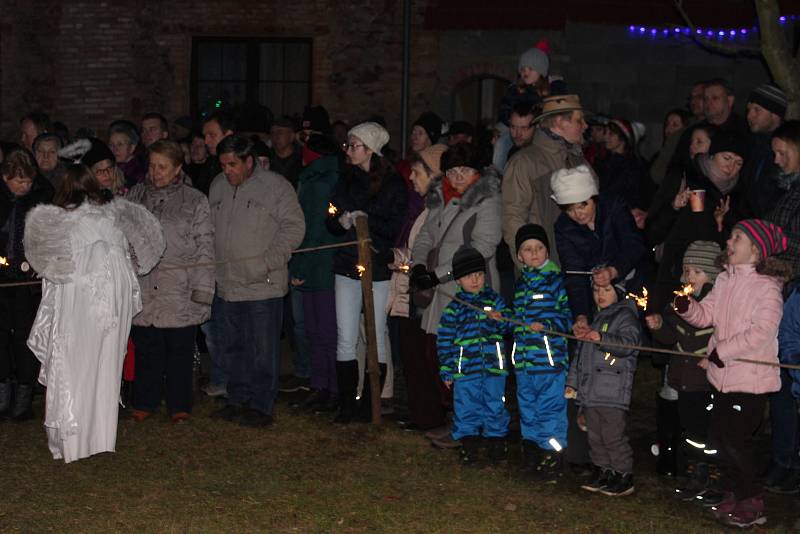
[316,118]
[466,261]
[728,142]
[97,153]
[531,231]
[462,155]
[432,124]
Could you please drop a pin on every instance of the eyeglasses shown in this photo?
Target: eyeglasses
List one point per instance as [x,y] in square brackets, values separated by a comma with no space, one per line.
[348,146]
[105,172]
[578,206]
[460,172]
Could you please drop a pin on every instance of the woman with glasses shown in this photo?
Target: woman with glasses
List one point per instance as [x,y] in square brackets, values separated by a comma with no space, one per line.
[463,209]
[370,187]
[96,155]
[123,139]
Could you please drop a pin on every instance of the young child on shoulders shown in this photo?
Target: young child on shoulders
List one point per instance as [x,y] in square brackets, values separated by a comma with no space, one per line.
[540,362]
[700,270]
[469,345]
[745,309]
[601,380]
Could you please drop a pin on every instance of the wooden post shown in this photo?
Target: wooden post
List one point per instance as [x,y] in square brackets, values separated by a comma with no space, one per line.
[373,369]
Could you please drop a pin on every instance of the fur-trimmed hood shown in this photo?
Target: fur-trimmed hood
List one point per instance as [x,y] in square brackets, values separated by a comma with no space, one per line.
[488,185]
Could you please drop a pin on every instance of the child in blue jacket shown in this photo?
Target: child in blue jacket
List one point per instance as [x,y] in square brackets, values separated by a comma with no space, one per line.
[469,346]
[540,361]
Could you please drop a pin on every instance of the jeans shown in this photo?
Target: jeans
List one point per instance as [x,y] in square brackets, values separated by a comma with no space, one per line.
[301,361]
[215,343]
[500,153]
[160,352]
[785,434]
[319,308]
[252,333]
[348,313]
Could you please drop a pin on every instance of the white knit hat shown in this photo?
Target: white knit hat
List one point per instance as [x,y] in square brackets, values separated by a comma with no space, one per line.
[371,134]
[574,185]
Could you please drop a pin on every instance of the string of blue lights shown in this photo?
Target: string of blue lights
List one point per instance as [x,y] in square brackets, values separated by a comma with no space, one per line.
[719,33]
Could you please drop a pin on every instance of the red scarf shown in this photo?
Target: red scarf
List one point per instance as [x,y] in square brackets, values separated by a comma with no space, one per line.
[449,192]
[309,156]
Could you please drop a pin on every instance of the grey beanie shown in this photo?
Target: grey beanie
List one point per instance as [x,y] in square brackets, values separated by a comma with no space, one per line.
[703,255]
[535,59]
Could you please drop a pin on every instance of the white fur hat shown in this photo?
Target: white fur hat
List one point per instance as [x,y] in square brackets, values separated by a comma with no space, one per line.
[371,134]
[573,185]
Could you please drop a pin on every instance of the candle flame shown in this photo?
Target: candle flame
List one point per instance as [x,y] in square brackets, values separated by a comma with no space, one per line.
[685,291]
[360,269]
[641,301]
[332,210]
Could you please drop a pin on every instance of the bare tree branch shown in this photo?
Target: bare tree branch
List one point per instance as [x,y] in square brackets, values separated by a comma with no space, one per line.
[782,64]
[711,45]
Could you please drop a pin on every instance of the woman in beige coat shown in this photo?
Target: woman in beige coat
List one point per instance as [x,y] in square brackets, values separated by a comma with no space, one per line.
[174,301]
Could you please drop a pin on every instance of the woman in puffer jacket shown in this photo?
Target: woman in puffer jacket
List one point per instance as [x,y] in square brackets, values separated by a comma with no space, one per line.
[174,301]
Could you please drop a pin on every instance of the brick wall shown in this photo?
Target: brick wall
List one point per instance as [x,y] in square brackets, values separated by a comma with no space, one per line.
[89,62]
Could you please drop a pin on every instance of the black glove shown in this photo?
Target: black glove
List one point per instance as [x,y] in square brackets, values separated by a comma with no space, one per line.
[681,304]
[422,278]
[714,358]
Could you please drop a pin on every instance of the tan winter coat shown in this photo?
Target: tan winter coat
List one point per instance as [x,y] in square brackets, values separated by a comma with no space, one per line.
[526,186]
[261,218]
[179,297]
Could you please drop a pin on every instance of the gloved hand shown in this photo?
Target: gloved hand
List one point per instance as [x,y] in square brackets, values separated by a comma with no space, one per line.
[714,358]
[422,278]
[681,304]
[346,220]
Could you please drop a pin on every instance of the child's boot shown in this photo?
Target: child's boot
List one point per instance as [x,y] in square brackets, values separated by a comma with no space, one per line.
[496,450]
[599,480]
[696,482]
[530,455]
[470,446]
[549,468]
[619,485]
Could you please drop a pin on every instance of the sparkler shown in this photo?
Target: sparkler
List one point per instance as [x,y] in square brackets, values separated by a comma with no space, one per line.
[3,261]
[641,301]
[360,269]
[687,290]
[332,210]
[404,268]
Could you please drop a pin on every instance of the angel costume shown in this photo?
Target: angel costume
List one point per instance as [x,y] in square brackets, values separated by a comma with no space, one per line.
[90,293]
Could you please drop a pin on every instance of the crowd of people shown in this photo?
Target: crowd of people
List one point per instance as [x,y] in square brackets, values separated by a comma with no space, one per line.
[489,244]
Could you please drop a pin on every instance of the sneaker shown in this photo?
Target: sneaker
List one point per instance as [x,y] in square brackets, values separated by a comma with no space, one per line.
[446,442]
[725,506]
[229,412]
[599,481]
[214,391]
[255,419]
[712,498]
[748,512]
[294,383]
[439,433]
[619,485]
[695,484]
[140,415]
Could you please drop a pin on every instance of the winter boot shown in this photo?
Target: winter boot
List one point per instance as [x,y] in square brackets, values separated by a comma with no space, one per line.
[5,400]
[619,485]
[365,404]
[22,409]
[549,468]
[470,449]
[531,454]
[599,480]
[496,450]
[347,378]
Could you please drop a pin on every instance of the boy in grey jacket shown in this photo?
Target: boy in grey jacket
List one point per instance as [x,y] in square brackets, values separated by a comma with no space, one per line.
[601,379]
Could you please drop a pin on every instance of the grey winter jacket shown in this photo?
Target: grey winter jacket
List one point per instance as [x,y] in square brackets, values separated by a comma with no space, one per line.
[603,376]
[174,298]
[476,221]
[261,217]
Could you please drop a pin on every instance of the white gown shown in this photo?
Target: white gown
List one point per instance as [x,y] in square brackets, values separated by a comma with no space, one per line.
[89,297]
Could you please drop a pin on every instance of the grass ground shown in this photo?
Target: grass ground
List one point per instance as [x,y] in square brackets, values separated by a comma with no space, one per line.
[307,475]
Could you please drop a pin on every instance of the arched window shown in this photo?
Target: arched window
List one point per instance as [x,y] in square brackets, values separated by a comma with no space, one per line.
[477,99]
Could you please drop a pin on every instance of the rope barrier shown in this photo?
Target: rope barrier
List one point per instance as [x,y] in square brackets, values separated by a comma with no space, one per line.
[615,345]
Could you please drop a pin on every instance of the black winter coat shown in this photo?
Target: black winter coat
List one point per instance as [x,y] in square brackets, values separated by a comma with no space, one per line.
[13,210]
[615,241]
[385,211]
[626,175]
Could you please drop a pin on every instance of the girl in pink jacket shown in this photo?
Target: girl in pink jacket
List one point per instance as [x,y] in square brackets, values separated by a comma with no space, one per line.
[745,309]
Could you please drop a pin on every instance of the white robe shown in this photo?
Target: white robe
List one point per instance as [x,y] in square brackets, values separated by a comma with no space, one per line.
[89,297]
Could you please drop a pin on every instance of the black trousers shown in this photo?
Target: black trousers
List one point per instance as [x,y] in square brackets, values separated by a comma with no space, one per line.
[735,418]
[163,361]
[18,306]
[694,421]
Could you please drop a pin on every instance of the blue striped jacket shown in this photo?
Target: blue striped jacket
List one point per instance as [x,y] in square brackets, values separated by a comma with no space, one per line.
[468,342]
[540,297]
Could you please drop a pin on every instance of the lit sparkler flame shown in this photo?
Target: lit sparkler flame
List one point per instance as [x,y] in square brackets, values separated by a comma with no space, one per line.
[404,268]
[332,210]
[687,290]
[3,261]
[360,269]
[641,301]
